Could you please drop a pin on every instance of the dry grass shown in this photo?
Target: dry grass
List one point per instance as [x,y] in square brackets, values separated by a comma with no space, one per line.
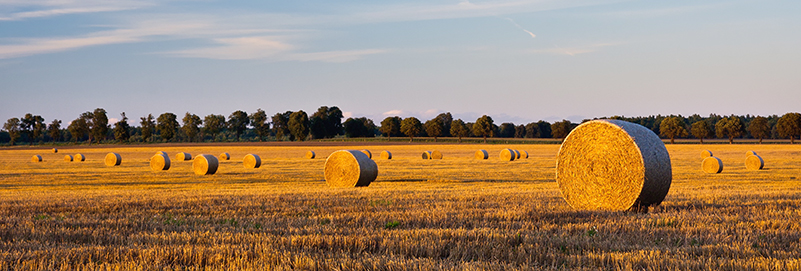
[458,213]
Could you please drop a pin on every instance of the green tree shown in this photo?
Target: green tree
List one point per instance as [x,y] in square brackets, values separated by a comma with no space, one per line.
[390,126]
[54,129]
[326,122]
[672,127]
[12,127]
[299,125]
[99,125]
[729,127]
[81,127]
[446,119]
[148,126]
[435,128]
[259,122]
[561,129]
[484,127]
[507,130]
[191,126]
[122,131]
[26,125]
[701,129]
[281,124]
[39,128]
[238,121]
[167,125]
[789,125]
[359,127]
[459,129]
[520,131]
[544,130]
[411,127]
[213,124]
[759,128]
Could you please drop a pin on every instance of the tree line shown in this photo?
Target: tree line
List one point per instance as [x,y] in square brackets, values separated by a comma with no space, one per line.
[326,122]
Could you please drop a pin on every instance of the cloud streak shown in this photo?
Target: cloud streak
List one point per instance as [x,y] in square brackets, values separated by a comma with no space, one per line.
[39,9]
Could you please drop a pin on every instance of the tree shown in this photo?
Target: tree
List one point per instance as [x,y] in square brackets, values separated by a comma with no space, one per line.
[213,124]
[54,129]
[507,130]
[672,127]
[122,131]
[326,122]
[544,130]
[411,127]
[148,126]
[730,127]
[38,129]
[561,129]
[759,128]
[26,125]
[12,127]
[701,129]
[520,131]
[390,126]
[359,127]
[191,126]
[238,121]
[99,125]
[280,124]
[459,129]
[446,119]
[299,125]
[80,127]
[484,127]
[435,128]
[259,122]
[167,125]
[789,125]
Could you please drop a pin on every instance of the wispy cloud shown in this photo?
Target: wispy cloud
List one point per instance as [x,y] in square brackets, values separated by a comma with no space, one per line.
[520,27]
[20,10]
[394,112]
[573,51]
[238,48]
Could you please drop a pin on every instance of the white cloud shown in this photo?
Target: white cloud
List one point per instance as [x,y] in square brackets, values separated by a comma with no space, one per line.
[238,48]
[347,115]
[38,9]
[395,112]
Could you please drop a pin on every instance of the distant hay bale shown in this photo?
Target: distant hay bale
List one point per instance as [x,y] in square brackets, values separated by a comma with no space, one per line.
[310,154]
[349,168]
[508,155]
[36,158]
[205,164]
[183,156]
[524,154]
[613,165]
[754,162]
[481,154]
[113,159]
[225,156]
[160,161]
[68,158]
[79,157]
[386,155]
[436,155]
[517,154]
[712,165]
[706,153]
[251,161]
[750,153]
[426,155]
[368,153]
[55,150]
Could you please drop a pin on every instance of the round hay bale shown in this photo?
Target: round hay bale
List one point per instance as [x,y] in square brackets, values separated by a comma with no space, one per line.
[481,154]
[524,154]
[79,157]
[613,165]
[205,164]
[750,153]
[160,161]
[368,153]
[754,162]
[55,150]
[349,168]
[113,159]
[517,154]
[251,161]
[436,155]
[162,152]
[386,155]
[310,154]
[712,165]
[68,158]
[426,155]
[508,155]
[706,153]
[225,156]
[183,156]
[36,158]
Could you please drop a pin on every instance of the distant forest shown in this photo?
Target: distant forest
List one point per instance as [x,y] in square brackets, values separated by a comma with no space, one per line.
[327,122]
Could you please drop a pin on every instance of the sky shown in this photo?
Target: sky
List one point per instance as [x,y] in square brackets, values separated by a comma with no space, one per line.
[517,61]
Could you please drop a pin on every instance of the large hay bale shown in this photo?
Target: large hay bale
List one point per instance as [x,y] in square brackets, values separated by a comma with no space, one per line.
[68,158]
[712,165]
[113,159]
[750,153]
[251,161]
[79,157]
[183,156]
[508,155]
[386,155]
[349,168]
[36,158]
[524,154]
[706,153]
[368,153]
[205,164]
[436,155]
[55,150]
[754,162]
[613,165]
[426,155]
[225,156]
[310,154]
[517,154]
[160,161]
[481,154]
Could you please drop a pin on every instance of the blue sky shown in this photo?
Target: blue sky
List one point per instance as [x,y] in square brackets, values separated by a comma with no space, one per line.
[518,61]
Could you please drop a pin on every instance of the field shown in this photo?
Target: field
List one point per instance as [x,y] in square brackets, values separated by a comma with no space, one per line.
[457,213]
